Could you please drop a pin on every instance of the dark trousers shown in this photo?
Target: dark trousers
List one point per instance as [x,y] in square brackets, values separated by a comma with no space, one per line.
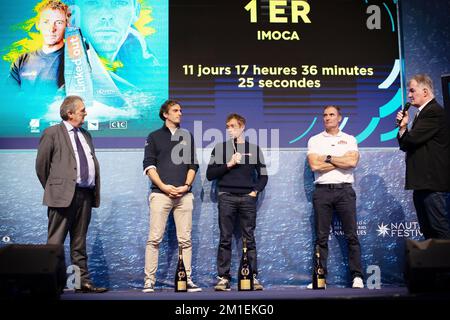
[327,200]
[232,207]
[432,213]
[75,221]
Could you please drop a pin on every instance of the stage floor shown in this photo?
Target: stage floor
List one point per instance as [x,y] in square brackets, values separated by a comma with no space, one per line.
[272,303]
[273,293]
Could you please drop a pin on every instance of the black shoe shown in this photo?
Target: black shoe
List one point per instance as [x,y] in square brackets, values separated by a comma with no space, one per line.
[90,288]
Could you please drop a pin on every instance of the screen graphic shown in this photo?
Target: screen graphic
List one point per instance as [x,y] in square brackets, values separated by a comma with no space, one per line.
[279,63]
[276,62]
[114,55]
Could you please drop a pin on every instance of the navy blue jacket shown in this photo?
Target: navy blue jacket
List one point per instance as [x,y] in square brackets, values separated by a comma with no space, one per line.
[427,150]
[245,177]
[172,155]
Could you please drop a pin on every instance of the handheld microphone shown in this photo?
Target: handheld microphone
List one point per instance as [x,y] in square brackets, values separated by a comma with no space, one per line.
[235,145]
[405,108]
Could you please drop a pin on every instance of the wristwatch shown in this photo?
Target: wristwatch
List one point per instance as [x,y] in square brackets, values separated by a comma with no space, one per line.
[328,159]
[189,186]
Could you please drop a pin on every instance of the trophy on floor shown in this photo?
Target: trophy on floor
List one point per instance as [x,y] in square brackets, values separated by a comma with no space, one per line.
[180,275]
[318,280]
[245,275]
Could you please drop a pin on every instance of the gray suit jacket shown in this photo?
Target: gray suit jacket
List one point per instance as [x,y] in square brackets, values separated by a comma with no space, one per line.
[56,167]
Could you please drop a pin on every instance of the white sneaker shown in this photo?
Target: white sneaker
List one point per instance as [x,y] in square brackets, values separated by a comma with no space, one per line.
[192,287]
[358,283]
[257,285]
[148,287]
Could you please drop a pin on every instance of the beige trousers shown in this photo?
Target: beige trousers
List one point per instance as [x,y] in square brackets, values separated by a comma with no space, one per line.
[160,207]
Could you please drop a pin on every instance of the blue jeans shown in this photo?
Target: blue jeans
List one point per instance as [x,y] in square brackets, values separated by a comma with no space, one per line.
[232,207]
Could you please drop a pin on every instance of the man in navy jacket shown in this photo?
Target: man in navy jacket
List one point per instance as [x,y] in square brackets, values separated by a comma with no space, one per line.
[171,165]
[427,158]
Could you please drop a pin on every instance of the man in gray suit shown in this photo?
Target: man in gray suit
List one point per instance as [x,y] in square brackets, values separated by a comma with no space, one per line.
[69,172]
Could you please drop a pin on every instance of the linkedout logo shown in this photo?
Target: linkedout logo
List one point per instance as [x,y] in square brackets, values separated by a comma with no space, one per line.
[400,230]
[267,140]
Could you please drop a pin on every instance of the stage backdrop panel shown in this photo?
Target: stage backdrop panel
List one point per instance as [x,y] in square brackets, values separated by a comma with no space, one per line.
[284,231]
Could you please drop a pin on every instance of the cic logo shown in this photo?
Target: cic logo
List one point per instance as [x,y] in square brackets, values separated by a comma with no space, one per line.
[118,124]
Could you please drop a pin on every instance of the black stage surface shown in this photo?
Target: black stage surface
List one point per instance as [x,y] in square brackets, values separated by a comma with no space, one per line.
[275,302]
[273,293]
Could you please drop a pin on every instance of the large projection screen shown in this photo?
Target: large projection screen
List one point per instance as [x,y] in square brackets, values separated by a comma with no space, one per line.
[278,63]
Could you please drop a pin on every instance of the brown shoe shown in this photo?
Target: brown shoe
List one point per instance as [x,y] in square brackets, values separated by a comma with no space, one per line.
[90,288]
